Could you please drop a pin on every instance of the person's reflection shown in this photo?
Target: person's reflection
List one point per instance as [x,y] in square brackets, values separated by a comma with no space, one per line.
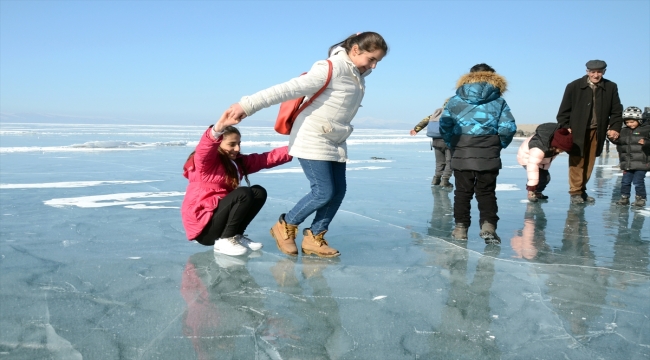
[630,250]
[577,291]
[222,306]
[310,314]
[442,217]
[464,331]
[440,226]
[602,172]
[611,213]
[530,242]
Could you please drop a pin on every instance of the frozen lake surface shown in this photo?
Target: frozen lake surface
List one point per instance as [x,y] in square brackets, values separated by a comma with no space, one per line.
[95,264]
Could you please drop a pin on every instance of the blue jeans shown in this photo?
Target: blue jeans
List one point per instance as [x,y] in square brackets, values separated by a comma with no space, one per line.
[328,186]
[636,177]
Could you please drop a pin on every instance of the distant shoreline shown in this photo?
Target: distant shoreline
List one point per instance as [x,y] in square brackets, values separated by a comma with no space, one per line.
[525,130]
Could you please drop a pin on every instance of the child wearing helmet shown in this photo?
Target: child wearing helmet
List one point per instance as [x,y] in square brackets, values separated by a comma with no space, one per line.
[633,146]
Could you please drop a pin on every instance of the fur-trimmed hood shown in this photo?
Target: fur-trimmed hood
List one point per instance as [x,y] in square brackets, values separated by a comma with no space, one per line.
[491,78]
[481,87]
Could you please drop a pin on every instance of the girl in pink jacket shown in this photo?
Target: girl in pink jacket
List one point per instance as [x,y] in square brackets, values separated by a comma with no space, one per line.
[536,154]
[216,210]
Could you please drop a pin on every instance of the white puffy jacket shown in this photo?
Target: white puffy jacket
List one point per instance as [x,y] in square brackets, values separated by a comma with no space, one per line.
[320,130]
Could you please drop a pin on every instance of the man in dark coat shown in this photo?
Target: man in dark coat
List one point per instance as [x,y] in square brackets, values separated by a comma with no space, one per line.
[591,109]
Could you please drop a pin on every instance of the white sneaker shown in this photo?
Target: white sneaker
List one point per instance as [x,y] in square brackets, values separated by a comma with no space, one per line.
[249,243]
[229,246]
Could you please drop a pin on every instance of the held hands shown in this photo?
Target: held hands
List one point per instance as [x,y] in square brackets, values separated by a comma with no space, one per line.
[641,141]
[237,113]
[612,134]
[232,116]
[224,121]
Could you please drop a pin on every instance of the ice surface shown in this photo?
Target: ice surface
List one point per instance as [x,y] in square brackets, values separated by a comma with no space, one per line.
[95,265]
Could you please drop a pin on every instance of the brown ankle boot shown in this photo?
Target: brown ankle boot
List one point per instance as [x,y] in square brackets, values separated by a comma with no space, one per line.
[316,244]
[285,236]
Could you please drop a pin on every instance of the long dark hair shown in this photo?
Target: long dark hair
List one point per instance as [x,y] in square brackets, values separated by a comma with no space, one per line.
[367,41]
[231,170]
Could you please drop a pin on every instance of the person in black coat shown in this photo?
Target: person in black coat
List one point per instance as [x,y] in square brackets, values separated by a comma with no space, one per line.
[633,146]
[591,109]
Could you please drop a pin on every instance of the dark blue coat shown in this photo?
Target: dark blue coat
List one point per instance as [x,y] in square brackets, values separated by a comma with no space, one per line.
[477,123]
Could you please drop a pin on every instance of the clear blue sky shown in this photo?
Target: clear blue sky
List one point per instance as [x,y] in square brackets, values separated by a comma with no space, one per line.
[184,62]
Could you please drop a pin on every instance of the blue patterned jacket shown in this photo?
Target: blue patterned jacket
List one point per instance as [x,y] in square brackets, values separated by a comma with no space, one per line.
[477,123]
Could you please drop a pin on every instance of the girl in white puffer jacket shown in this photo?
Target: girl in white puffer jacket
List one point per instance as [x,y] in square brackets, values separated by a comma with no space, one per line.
[318,135]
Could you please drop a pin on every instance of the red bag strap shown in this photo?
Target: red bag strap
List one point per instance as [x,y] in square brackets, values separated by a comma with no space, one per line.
[303,106]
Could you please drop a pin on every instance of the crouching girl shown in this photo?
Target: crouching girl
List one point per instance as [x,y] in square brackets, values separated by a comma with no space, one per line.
[536,154]
[216,209]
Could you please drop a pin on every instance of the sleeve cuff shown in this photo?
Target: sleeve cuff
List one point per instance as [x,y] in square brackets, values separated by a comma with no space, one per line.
[215,134]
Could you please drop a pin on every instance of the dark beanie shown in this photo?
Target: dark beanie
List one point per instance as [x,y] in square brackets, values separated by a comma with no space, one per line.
[562,139]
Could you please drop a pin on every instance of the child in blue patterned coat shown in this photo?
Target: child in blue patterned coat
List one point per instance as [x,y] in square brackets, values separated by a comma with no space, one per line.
[476,124]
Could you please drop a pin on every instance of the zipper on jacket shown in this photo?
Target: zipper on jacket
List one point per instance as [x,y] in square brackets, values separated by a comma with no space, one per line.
[629,150]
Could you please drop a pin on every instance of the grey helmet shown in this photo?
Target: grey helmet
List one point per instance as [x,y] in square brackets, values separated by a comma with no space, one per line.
[633,113]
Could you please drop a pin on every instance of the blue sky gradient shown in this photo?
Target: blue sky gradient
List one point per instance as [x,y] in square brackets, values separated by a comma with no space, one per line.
[184,62]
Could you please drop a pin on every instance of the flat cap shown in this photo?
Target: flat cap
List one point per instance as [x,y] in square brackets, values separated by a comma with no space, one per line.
[596,64]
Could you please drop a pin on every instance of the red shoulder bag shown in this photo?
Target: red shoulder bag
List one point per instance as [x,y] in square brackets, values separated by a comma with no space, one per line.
[290,109]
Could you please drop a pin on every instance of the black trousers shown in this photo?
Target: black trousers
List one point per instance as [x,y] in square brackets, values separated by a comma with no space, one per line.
[481,183]
[544,179]
[234,213]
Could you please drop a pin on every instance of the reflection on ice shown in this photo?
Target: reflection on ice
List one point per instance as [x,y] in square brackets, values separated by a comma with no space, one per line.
[229,315]
[84,275]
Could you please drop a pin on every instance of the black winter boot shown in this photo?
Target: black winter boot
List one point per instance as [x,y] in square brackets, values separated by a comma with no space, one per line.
[489,233]
[640,202]
[625,200]
[588,199]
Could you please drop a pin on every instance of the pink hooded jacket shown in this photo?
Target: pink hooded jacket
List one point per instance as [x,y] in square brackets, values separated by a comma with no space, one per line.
[209,181]
[533,159]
